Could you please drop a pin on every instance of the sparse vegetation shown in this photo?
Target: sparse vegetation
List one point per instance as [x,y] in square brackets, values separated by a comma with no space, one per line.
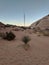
[26,39]
[9,36]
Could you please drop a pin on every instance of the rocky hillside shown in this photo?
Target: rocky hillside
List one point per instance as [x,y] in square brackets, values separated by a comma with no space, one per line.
[42,23]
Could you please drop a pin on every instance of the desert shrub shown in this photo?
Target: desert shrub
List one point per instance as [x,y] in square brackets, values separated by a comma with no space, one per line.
[26,39]
[9,36]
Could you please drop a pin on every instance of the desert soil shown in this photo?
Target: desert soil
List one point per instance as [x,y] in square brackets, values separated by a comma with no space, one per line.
[13,52]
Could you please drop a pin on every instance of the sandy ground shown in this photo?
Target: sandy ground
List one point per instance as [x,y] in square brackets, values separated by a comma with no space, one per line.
[13,52]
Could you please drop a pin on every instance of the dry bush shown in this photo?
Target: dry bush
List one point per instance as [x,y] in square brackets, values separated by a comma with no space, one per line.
[26,39]
[9,36]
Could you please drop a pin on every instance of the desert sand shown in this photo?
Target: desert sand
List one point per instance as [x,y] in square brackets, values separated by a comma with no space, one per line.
[13,52]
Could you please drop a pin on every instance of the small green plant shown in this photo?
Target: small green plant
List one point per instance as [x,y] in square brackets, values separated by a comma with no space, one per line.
[9,36]
[26,39]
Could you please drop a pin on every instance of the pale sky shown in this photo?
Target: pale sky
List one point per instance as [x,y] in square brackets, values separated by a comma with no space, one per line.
[12,11]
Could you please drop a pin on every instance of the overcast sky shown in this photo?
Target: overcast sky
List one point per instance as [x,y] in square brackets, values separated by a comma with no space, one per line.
[12,11]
